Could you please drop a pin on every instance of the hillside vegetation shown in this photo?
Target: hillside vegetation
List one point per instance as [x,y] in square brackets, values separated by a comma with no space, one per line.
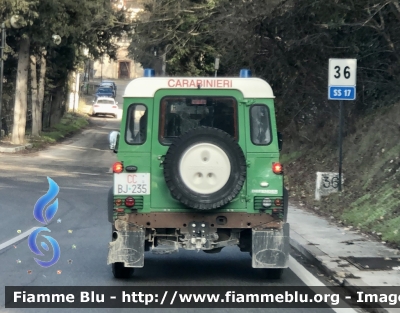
[289,44]
[370,200]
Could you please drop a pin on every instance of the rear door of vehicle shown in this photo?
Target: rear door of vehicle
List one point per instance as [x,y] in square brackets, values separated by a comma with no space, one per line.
[160,197]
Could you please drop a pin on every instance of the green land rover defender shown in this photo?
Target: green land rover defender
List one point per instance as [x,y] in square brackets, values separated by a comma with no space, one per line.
[198,169]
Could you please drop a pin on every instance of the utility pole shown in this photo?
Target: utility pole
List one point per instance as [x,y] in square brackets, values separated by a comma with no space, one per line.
[89,73]
[340,144]
[101,69]
[216,65]
[164,61]
[164,64]
[3,45]
[342,78]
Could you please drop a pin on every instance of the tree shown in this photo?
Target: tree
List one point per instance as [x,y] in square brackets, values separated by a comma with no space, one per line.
[26,13]
[35,100]
[20,105]
[180,29]
[37,121]
[194,32]
[286,42]
[93,23]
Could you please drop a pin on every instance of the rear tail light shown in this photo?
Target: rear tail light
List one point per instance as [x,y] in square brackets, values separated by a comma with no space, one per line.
[118,167]
[118,202]
[277,168]
[120,210]
[96,105]
[129,202]
[278,202]
[115,107]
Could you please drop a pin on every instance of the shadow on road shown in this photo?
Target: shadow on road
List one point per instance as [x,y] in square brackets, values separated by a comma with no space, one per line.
[200,268]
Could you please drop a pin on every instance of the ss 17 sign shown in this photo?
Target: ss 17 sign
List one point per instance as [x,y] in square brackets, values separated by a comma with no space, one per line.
[342,79]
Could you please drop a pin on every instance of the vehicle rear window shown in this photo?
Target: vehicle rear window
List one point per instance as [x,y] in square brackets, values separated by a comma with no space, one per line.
[136,124]
[260,125]
[180,114]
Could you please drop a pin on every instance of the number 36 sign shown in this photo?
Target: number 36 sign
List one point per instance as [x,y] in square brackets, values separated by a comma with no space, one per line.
[342,79]
[327,183]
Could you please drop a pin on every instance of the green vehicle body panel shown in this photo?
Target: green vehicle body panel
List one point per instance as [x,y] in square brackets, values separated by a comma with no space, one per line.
[148,157]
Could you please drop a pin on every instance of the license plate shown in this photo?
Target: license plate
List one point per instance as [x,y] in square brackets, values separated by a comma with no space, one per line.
[132,184]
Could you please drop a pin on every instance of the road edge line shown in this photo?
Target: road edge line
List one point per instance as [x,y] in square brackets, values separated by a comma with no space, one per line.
[310,256]
[311,281]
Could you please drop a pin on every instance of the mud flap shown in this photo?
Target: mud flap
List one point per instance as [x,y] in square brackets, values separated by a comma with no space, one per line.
[271,247]
[127,248]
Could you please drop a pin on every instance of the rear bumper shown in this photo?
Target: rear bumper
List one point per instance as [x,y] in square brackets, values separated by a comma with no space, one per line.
[270,240]
[104,111]
[215,220]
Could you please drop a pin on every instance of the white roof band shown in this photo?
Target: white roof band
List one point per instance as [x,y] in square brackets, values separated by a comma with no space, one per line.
[146,87]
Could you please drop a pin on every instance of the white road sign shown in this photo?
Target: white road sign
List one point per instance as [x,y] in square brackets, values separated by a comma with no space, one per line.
[342,72]
[342,79]
[327,183]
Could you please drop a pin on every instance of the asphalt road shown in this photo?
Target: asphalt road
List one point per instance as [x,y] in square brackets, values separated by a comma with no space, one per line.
[80,166]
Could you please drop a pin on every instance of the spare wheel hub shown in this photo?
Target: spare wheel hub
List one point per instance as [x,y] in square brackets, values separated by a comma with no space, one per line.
[204,168]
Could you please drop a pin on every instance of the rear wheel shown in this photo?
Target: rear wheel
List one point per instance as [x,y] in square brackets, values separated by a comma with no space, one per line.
[274,273]
[118,268]
[120,271]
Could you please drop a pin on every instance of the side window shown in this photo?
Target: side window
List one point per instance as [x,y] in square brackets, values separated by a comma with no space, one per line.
[136,124]
[260,125]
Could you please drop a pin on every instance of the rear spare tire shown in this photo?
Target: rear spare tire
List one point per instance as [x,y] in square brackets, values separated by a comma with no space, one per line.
[205,168]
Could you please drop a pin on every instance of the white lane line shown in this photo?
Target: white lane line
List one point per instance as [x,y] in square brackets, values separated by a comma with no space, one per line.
[88,188]
[311,281]
[18,238]
[308,278]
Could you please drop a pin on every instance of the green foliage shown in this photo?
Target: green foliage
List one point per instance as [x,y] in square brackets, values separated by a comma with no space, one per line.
[182,30]
[69,124]
[92,23]
[288,43]
[378,212]
[371,166]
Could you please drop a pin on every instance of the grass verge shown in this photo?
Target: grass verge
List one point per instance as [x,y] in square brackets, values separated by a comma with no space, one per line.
[69,124]
[370,200]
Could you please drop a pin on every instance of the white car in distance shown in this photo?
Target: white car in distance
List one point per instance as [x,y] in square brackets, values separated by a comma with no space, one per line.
[105,106]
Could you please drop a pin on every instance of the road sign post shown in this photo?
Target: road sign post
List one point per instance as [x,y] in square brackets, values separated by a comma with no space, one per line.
[340,144]
[342,81]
